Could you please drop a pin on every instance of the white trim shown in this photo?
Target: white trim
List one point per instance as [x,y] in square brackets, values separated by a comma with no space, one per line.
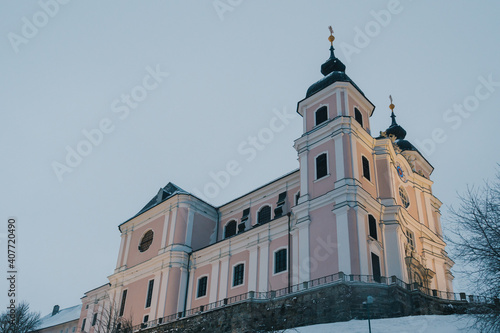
[252,269]
[304,272]
[198,286]
[343,243]
[127,247]
[274,260]
[339,105]
[316,166]
[327,114]
[264,267]
[215,282]
[224,276]
[362,240]
[225,225]
[232,274]
[165,230]
[258,210]
[172,226]
[120,253]
[189,227]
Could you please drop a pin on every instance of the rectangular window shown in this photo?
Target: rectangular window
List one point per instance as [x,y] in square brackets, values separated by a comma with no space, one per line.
[238,273]
[150,293]
[366,168]
[376,267]
[410,239]
[94,319]
[202,287]
[280,261]
[372,224]
[83,324]
[122,306]
[321,166]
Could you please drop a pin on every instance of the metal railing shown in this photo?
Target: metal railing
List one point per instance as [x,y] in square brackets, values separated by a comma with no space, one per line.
[312,284]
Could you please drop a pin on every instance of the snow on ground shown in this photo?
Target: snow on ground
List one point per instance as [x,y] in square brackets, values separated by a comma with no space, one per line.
[413,324]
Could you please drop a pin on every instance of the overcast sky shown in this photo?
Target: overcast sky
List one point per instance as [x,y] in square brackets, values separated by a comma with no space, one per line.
[207,76]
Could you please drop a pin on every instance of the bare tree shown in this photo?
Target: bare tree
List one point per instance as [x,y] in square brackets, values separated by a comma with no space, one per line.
[111,322]
[475,238]
[19,320]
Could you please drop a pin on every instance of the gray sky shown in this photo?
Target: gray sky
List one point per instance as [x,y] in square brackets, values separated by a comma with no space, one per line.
[231,66]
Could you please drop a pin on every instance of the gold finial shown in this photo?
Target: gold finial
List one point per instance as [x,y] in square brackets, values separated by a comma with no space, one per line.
[331,38]
[392,105]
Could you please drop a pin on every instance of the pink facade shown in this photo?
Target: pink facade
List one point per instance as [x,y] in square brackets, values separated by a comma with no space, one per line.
[357,204]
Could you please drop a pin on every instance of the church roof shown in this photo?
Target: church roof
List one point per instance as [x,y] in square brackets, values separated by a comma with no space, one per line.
[163,194]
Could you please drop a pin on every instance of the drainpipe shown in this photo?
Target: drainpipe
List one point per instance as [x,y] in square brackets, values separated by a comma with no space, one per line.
[289,255]
[187,285]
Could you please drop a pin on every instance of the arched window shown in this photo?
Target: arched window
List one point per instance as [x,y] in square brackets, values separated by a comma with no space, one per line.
[372,224]
[230,229]
[404,197]
[358,116]
[264,215]
[146,241]
[321,115]
[366,167]
[321,166]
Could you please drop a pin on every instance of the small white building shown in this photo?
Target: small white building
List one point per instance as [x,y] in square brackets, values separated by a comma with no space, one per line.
[60,321]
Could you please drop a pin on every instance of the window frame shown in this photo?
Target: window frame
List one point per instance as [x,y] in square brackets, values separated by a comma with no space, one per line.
[270,213]
[142,238]
[149,293]
[377,278]
[321,107]
[234,275]
[363,159]
[316,166]
[402,190]
[235,228]
[360,115]
[205,276]
[375,226]
[410,239]
[275,252]
[122,302]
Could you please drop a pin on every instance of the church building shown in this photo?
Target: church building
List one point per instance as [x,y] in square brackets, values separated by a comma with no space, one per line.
[360,205]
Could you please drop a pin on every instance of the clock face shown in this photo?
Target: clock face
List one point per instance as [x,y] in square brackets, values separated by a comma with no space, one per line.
[401,173]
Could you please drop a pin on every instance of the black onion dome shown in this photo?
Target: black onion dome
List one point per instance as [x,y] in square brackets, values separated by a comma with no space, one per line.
[334,71]
[395,129]
[400,133]
[405,145]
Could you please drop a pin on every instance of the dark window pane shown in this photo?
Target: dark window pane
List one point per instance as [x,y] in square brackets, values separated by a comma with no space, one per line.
[150,293]
[376,267]
[280,261]
[238,272]
[146,241]
[366,168]
[321,167]
[230,229]
[358,116]
[202,287]
[264,215]
[83,324]
[94,319]
[321,115]
[122,306]
[372,224]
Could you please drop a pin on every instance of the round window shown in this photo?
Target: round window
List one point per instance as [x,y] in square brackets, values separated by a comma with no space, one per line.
[404,197]
[146,241]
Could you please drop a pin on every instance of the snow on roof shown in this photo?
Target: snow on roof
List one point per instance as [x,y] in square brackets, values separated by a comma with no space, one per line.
[63,316]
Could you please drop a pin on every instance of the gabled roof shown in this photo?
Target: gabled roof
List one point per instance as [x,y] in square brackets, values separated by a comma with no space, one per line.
[63,316]
[163,194]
